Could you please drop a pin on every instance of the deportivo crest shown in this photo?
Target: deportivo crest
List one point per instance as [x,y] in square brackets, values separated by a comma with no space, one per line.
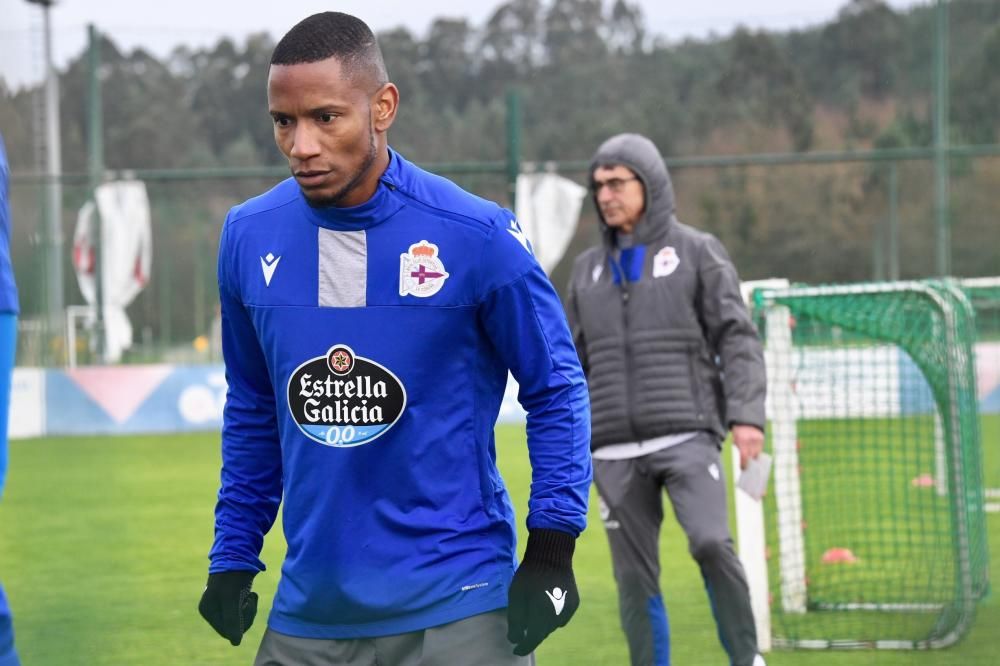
[595,274]
[665,262]
[421,272]
[343,400]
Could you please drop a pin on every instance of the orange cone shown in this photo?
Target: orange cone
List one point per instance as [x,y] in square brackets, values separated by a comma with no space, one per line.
[839,556]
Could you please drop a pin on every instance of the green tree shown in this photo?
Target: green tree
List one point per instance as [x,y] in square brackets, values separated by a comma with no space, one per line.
[573,32]
[976,94]
[862,49]
[447,65]
[512,41]
[626,29]
[763,86]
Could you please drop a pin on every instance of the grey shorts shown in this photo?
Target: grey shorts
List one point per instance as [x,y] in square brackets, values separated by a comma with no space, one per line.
[480,640]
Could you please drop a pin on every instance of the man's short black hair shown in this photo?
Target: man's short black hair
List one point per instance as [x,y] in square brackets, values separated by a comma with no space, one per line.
[333,35]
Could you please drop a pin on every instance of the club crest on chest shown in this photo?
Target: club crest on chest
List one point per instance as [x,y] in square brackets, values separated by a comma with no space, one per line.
[421,272]
[665,262]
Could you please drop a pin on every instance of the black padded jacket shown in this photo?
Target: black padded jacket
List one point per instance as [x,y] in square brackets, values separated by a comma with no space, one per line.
[674,350]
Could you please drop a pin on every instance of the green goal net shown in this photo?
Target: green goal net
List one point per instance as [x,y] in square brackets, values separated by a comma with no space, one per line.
[875,529]
[984,295]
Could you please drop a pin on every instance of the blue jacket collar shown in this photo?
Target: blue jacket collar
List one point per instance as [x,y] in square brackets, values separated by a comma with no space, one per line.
[380,207]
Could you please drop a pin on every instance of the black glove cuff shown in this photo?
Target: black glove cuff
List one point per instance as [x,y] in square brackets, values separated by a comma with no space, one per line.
[550,548]
[238,578]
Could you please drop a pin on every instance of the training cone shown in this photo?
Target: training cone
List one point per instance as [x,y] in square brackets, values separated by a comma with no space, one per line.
[839,556]
[922,481]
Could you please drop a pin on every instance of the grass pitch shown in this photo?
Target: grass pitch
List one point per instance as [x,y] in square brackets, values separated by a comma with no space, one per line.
[103,545]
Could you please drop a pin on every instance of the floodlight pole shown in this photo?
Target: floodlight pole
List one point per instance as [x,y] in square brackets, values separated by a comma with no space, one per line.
[893,221]
[95,171]
[53,173]
[513,143]
[941,174]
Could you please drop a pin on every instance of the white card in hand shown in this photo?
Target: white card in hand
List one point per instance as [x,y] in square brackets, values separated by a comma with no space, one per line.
[753,480]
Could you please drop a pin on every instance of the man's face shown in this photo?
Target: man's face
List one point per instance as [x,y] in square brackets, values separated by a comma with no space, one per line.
[325,126]
[619,195]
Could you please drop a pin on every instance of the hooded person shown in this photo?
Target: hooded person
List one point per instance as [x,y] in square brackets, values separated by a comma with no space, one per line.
[673,363]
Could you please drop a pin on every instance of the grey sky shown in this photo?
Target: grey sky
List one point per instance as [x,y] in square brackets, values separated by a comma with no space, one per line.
[159,26]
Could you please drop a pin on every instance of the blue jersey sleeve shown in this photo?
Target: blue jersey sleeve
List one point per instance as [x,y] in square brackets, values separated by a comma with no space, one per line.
[251,452]
[8,289]
[524,320]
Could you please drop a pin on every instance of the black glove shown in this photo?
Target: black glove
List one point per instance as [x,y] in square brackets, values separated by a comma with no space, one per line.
[543,594]
[228,604]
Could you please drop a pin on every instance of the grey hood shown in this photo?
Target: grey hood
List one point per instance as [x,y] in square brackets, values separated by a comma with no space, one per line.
[641,156]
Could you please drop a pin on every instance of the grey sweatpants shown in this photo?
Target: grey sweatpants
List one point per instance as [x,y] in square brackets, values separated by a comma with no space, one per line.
[480,639]
[632,510]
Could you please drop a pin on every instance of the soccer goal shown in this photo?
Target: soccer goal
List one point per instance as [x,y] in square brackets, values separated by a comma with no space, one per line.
[874,527]
[984,294]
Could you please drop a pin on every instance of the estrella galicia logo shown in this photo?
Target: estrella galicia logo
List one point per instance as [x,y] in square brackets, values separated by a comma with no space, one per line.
[342,400]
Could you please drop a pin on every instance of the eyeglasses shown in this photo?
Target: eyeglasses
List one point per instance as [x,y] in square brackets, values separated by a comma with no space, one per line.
[616,185]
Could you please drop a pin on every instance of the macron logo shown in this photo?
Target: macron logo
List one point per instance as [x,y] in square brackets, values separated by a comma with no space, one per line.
[515,231]
[268,264]
[558,598]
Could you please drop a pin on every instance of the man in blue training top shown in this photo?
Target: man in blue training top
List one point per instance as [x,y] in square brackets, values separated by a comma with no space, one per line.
[8,339]
[370,314]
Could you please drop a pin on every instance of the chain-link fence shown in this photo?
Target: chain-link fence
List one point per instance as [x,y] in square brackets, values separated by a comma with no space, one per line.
[813,222]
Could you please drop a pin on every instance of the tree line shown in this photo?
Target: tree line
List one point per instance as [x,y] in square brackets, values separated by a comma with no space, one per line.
[585,69]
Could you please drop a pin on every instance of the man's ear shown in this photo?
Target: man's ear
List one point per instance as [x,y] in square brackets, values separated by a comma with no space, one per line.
[385,103]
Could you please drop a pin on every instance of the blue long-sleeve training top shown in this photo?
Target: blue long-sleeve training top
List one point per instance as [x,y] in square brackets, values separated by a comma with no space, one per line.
[367,351]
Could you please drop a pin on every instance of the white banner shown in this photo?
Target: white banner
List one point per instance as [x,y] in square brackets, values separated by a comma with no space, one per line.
[126,248]
[548,209]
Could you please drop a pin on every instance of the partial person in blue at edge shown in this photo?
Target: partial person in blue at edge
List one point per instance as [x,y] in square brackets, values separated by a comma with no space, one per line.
[8,333]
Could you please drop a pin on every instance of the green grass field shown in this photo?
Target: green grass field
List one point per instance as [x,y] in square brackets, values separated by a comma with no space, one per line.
[103,546]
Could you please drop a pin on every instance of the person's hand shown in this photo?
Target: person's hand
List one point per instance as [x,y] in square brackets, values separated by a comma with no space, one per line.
[543,594]
[228,604]
[749,440]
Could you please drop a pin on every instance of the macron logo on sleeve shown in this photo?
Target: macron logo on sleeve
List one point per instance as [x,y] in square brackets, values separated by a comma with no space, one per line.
[268,264]
[516,232]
